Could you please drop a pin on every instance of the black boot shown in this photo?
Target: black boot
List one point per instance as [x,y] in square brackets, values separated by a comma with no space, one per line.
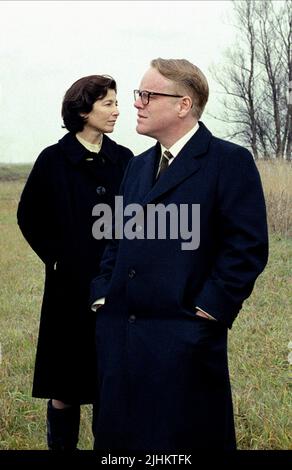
[63,427]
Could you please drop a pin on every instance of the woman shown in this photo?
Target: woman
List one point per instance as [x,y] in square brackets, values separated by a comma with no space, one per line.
[55,216]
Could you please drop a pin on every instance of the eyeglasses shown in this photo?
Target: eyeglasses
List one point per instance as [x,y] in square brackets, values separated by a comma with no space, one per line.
[145,95]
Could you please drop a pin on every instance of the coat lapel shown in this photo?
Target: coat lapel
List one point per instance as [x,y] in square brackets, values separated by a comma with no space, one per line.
[146,175]
[186,163]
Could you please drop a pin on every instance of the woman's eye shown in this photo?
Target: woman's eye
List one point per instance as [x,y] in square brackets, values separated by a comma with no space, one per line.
[110,104]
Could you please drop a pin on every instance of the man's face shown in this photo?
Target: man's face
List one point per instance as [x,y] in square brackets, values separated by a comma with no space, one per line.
[159,117]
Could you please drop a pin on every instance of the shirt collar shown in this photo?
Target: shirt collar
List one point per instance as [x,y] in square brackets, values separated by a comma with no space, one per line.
[179,144]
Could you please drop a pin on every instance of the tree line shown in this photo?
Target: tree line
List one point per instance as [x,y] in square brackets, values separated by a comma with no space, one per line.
[256,78]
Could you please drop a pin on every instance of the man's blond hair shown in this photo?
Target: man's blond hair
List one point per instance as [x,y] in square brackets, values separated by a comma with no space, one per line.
[188,77]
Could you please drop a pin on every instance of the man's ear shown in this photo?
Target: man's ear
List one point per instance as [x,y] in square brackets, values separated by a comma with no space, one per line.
[185,105]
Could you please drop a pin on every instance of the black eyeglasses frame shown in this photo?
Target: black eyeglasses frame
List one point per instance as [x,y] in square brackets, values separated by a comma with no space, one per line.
[138,93]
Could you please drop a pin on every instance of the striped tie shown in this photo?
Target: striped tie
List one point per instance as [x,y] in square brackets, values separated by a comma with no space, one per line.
[164,162]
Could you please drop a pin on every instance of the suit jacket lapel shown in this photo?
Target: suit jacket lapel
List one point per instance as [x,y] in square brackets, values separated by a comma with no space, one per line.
[186,163]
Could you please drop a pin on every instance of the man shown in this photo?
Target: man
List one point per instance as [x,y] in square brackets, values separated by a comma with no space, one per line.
[162,332]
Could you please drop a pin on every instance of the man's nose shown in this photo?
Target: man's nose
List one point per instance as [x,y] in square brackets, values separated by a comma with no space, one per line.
[138,103]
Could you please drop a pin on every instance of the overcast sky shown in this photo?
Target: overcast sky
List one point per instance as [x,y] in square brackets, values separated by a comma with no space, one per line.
[46,45]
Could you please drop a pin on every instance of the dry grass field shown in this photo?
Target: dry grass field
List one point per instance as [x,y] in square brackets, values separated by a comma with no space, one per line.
[258,342]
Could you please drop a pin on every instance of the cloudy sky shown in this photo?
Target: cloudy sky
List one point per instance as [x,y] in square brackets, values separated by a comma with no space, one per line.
[46,45]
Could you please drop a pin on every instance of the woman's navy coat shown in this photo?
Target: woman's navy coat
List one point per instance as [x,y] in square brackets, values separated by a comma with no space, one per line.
[55,216]
[163,374]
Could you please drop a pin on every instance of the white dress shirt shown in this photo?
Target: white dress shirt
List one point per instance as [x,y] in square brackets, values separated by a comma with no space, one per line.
[179,144]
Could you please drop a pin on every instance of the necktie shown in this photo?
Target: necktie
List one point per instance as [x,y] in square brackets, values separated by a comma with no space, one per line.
[164,162]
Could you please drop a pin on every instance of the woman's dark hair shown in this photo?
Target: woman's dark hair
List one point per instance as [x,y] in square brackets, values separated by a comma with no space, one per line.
[80,99]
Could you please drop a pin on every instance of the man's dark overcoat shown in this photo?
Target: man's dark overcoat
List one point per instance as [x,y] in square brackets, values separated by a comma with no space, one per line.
[163,373]
[55,216]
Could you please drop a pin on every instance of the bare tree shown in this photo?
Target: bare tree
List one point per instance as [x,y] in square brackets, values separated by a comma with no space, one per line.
[284,28]
[237,79]
[270,55]
[255,76]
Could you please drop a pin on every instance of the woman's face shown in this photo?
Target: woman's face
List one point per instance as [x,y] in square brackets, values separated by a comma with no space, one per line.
[104,113]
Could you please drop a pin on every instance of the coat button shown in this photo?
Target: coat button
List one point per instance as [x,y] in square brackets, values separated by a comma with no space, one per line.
[132,318]
[132,273]
[100,190]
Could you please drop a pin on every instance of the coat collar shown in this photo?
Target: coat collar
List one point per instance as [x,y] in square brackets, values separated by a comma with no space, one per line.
[76,152]
[187,162]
